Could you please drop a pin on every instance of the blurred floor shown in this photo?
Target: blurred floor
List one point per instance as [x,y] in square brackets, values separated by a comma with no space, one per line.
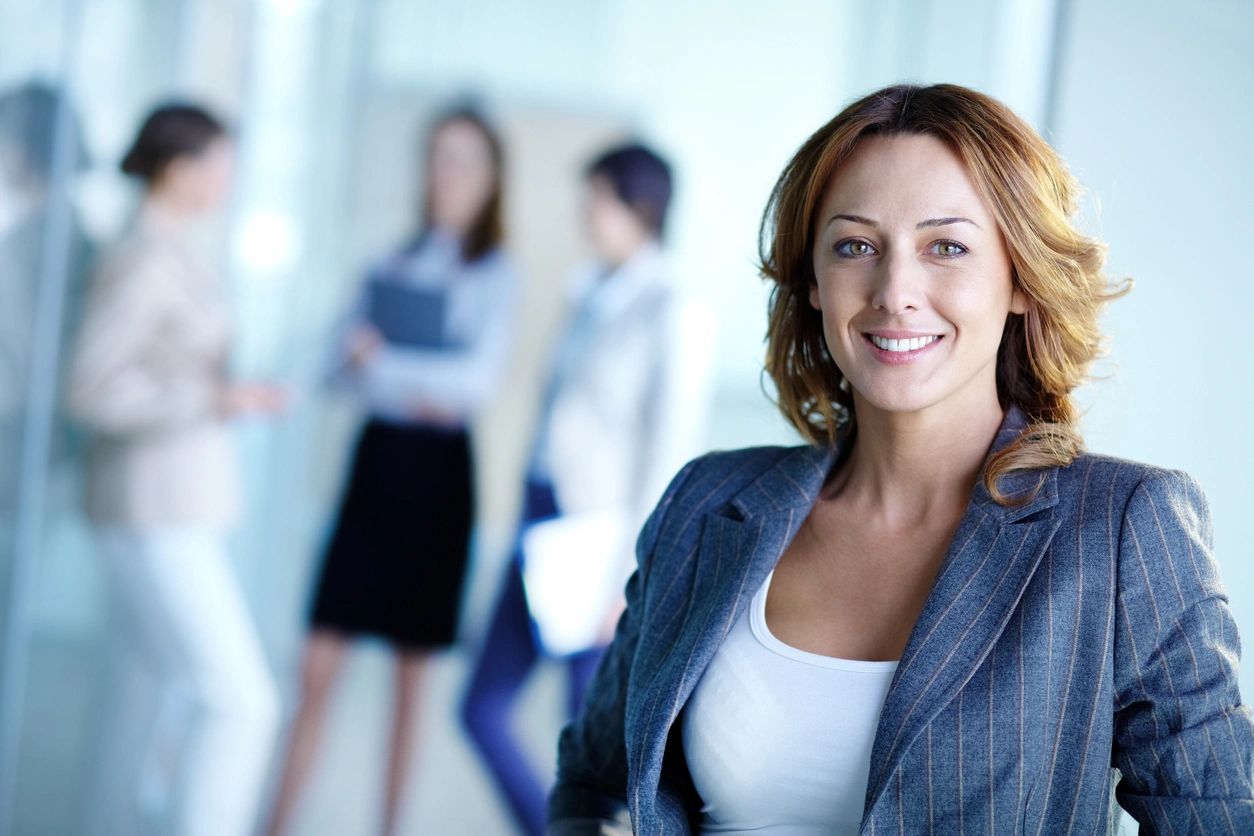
[450,791]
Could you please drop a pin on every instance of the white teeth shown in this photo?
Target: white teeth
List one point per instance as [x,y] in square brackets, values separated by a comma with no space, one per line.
[912,344]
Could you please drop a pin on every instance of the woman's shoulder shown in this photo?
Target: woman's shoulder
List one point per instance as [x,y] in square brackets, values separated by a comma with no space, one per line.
[1109,473]
[704,484]
[1135,491]
[137,257]
[713,478]
[497,262]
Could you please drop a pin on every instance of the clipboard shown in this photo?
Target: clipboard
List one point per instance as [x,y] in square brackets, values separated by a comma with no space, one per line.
[408,316]
[572,570]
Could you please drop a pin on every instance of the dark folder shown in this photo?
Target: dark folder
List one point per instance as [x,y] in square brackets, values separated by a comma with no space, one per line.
[412,317]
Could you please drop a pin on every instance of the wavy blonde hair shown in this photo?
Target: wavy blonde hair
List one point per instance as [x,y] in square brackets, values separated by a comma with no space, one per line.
[1045,353]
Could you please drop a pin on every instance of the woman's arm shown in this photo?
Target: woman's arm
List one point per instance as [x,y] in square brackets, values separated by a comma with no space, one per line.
[591,791]
[456,382]
[1184,743]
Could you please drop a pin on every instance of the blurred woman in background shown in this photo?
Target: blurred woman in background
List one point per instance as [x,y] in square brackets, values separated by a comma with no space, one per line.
[423,350]
[149,378]
[34,200]
[604,426]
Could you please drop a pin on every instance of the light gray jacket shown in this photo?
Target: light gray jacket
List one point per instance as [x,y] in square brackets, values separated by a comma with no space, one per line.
[149,361]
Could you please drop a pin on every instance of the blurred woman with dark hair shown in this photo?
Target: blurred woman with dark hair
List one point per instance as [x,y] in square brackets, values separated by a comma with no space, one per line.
[599,461]
[424,348]
[149,378]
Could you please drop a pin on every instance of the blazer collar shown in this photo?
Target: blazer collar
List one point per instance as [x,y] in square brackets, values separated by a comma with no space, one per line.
[795,481]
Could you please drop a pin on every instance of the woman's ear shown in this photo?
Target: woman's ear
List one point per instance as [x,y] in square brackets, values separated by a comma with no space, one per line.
[814,296]
[1018,300]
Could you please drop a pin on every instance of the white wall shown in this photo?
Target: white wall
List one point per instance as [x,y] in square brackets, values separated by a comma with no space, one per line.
[1155,117]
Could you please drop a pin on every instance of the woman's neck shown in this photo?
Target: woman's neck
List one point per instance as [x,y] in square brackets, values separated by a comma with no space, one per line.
[449,231]
[906,467]
[168,213]
[615,262]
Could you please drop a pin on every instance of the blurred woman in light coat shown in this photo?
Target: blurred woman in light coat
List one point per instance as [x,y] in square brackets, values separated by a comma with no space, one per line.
[149,379]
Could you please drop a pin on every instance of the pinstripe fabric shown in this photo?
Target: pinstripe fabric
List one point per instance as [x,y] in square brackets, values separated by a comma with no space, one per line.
[1074,654]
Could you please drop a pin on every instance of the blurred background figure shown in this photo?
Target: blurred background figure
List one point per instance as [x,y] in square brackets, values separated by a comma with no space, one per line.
[424,350]
[29,191]
[190,718]
[604,421]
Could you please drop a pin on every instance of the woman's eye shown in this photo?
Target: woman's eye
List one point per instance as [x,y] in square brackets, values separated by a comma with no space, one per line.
[853,248]
[948,249]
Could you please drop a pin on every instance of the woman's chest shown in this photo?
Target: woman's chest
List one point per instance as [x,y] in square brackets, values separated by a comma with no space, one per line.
[978,734]
[166,287]
[194,319]
[848,591]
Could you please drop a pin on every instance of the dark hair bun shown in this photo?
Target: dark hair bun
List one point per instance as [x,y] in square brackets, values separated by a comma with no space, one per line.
[170,131]
[133,165]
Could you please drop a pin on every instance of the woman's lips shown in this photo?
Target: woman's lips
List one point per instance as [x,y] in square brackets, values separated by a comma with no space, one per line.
[899,358]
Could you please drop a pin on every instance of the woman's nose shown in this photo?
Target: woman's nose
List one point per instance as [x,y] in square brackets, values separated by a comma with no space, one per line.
[898,284]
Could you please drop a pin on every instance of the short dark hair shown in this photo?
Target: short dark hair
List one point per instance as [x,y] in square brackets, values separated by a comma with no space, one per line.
[641,179]
[170,131]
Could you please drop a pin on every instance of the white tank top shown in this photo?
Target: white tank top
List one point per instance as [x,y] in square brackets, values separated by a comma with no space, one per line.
[777,739]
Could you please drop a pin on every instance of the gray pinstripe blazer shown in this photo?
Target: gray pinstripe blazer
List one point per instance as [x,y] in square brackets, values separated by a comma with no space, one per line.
[1074,652]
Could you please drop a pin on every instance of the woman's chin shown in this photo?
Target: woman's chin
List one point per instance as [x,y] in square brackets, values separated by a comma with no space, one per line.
[893,397]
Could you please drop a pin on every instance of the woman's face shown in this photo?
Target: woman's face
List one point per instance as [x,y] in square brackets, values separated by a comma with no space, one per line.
[614,230]
[905,247]
[200,182]
[460,176]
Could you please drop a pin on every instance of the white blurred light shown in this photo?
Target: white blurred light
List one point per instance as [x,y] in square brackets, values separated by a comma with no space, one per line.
[291,8]
[267,242]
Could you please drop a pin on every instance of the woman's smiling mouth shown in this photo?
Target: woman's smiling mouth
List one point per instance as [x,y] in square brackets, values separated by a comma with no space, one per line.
[901,349]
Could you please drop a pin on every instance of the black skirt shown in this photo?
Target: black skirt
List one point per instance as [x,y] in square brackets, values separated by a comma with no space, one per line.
[395,565]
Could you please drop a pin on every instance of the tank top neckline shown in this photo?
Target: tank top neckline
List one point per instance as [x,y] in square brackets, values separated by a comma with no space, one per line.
[757,621]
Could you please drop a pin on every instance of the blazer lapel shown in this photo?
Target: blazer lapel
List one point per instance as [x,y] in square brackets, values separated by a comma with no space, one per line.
[982,577]
[740,544]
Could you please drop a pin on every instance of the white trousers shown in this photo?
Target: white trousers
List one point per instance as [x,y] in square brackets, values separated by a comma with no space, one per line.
[191,710]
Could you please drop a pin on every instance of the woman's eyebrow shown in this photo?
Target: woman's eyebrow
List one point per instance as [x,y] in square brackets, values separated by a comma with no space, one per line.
[858,219]
[946,222]
[930,222]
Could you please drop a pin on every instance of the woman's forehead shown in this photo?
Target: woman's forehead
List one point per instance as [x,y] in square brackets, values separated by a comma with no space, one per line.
[898,177]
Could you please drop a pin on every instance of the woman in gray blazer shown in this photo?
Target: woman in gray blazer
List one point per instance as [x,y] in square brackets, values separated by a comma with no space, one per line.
[940,614]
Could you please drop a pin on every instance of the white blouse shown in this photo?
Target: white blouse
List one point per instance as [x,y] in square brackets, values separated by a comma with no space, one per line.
[777,739]
[482,300]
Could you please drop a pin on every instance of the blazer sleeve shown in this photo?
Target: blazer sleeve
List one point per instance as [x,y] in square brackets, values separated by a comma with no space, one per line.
[1184,743]
[590,795]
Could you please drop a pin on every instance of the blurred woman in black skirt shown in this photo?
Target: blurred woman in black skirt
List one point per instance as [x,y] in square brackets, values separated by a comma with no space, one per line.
[423,350]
